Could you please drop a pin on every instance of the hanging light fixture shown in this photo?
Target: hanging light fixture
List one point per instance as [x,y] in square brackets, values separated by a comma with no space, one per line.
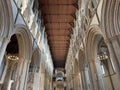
[102,56]
[13,57]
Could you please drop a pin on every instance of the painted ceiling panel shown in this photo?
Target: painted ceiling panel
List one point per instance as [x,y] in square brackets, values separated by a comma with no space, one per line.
[58,17]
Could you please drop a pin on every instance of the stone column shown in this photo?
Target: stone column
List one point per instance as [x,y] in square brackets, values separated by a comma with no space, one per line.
[51,83]
[3,44]
[42,77]
[93,73]
[31,79]
[7,82]
[7,79]
[36,80]
[24,74]
[114,50]
[99,75]
[70,83]
[47,81]
[67,82]
[96,77]
[83,81]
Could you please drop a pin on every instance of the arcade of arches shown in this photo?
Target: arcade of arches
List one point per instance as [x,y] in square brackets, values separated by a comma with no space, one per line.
[59,44]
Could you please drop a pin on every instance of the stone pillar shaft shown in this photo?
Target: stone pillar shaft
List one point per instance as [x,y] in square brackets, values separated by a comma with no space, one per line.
[24,74]
[83,81]
[114,49]
[3,45]
[94,79]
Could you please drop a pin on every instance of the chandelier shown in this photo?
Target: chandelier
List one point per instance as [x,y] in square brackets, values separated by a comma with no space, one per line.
[102,56]
[13,57]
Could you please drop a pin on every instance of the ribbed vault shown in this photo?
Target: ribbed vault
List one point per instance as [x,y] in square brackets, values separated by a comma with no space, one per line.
[58,17]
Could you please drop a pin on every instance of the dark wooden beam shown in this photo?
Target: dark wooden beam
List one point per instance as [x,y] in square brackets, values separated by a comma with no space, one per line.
[59,36]
[45,14]
[71,23]
[74,16]
[76,5]
[57,29]
[47,4]
[45,22]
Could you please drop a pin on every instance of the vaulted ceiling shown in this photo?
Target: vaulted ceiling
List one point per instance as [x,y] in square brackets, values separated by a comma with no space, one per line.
[58,17]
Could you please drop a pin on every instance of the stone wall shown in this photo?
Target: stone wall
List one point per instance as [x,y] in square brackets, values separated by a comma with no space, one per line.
[97,20]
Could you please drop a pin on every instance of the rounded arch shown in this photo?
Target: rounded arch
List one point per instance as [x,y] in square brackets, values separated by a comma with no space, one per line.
[34,67]
[25,52]
[75,74]
[93,39]
[35,60]
[94,35]
[110,18]
[111,27]
[6,18]
[24,41]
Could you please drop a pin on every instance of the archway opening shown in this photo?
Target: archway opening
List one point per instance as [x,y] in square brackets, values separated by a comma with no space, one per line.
[34,70]
[99,60]
[10,64]
[106,64]
[76,75]
[13,48]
